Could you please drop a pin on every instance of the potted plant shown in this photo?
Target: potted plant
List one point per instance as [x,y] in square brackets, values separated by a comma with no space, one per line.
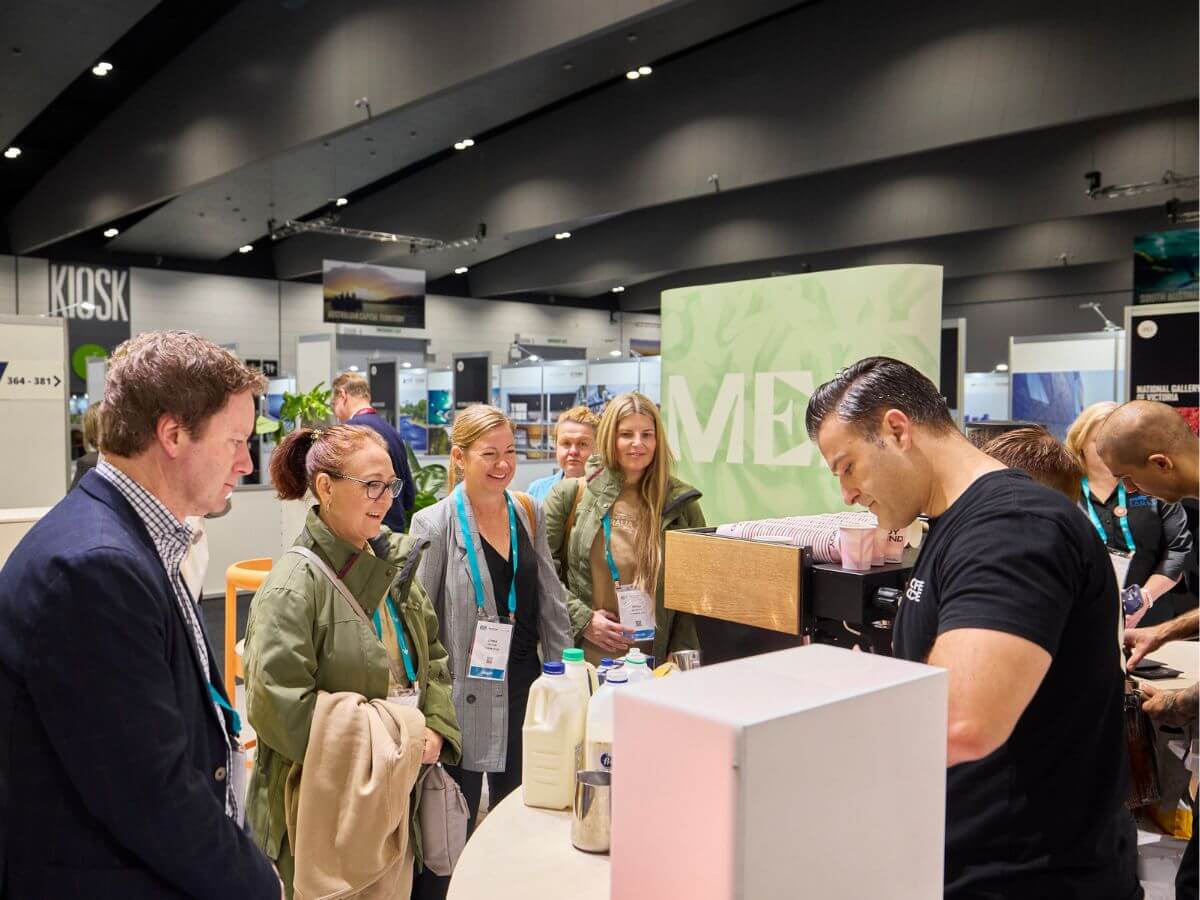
[311,408]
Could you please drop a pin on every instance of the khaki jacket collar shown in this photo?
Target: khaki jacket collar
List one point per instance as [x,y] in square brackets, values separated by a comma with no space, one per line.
[367,575]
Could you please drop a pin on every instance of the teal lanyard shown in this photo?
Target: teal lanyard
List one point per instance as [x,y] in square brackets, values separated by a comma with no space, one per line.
[473,559]
[612,566]
[1122,501]
[224,704]
[400,638]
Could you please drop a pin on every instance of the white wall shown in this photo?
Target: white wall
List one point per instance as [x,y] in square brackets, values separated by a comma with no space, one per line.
[242,311]
[264,317]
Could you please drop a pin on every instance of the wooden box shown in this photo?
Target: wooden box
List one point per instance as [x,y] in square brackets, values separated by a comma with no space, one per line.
[735,580]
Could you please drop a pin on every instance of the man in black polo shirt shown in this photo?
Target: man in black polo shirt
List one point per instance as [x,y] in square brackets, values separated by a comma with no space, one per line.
[1014,595]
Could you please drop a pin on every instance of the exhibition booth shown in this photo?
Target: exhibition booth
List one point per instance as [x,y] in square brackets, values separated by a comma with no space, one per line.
[782,604]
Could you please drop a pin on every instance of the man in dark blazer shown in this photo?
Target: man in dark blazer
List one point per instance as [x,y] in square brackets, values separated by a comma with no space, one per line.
[352,406]
[117,752]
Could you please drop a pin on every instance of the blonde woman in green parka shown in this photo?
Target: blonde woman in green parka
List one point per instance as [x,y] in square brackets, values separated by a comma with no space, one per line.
[633,489]
[303,637]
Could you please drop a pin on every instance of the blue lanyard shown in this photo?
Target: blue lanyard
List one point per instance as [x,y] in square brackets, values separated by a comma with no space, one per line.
[473,560]
[224,704]
[612,566]
[1122,501]
[400,638]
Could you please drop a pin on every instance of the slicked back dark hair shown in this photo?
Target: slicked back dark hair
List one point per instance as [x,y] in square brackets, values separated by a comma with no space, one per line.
[860,394]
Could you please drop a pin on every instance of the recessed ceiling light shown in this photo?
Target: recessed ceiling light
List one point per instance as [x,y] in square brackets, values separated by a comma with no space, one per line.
[533,357]
[1001,367]
[406,365]
[619,289]
[464,144]
[245,248]
[101,69]
[614,352]
[633,74]
[644,70]
[111,232]
[340,201]
[12,152]
[562,235]
[461,270]
[354,368]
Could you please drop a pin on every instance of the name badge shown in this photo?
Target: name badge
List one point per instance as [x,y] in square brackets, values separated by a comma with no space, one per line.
[637,611]
[1120,563]
[406,696]
[239,780]
[489,651]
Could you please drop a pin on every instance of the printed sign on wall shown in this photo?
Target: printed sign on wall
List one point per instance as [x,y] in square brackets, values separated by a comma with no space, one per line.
[95,301]
[1164,345]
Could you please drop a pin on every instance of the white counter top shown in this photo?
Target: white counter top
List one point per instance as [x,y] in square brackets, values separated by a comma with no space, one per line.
[519,852]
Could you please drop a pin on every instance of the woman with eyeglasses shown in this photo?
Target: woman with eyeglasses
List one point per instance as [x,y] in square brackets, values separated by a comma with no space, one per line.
[304,636]
[489,573]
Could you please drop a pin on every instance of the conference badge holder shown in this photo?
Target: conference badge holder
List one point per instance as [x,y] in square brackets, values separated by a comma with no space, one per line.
[489,650]
[410,696]
[637,611]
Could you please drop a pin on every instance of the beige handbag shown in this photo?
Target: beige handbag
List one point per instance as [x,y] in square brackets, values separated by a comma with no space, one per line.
[443,816]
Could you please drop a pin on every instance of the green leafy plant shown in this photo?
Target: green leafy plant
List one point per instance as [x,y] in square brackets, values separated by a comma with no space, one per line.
[430,480]
[309,408]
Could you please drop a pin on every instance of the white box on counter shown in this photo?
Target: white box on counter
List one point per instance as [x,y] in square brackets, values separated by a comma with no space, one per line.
[812,772]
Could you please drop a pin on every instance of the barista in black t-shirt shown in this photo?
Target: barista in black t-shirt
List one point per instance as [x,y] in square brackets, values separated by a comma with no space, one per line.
[1014,595]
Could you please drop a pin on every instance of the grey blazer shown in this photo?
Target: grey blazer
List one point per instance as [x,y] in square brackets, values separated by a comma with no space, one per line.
[482,706]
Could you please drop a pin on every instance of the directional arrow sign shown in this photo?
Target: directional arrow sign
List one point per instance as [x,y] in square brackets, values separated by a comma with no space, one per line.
[31,379]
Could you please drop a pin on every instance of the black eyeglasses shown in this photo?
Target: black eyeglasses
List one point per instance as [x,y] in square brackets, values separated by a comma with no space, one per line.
[375,489]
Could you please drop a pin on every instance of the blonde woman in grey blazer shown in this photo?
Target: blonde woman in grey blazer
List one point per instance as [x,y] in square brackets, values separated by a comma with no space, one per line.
[491,713]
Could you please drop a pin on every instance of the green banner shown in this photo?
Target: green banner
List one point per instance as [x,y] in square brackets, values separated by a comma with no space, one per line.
[740,360]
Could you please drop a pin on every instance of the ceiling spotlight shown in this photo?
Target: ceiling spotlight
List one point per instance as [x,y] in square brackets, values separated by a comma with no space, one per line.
[406,365]
[111,232]
[461,270]
[644,70]
[533,357]
[614,352]
[1001,367]
[354,368]
[619,289]
[101,69]
[562,235]
[12,152]
[340,201]
[245,248]
[633,74]
[464,144]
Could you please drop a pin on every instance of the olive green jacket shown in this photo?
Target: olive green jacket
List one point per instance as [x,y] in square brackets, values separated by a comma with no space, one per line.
[302,637]
[674,631]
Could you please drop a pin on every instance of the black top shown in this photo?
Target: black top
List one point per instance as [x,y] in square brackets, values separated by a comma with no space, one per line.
[524,666]
[1160,534]
[1043,816]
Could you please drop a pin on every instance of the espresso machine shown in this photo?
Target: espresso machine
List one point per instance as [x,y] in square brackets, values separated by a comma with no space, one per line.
[750,597]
